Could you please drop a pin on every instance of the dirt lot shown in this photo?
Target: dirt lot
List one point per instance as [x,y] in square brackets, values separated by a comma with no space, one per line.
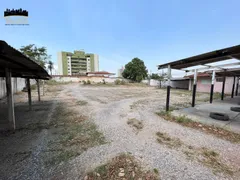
[78,128]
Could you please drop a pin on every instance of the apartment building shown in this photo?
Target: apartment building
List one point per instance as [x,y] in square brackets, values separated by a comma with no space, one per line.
[77,62]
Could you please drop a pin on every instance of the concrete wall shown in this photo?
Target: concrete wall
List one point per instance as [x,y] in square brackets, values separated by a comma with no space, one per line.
[94,79]
[17,85]
[204,85]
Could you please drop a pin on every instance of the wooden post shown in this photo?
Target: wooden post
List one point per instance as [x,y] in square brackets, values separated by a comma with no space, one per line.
[38,89]
[236,93]
[212,86]
[223,85]
[233,87]
[11,114]
[168,88]
[43,87]
[29,94]
[194,88]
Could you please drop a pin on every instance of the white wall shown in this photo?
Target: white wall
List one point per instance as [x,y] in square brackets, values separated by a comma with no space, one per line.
[81,78]
[17,85]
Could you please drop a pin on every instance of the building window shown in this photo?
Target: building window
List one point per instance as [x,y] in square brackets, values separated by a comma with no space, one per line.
[219,79]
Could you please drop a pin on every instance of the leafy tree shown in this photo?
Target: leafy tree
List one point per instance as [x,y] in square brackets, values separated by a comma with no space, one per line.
[50,66]
[158,77]
[39,55]
[135,70]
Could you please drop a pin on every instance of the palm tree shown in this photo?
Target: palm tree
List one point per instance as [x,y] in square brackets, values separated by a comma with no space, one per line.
[50,66]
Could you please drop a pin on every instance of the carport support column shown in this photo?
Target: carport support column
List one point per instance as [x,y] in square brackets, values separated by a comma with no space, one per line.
[236,94]
[223,85]
[233,86]
[38,89]
[194,88]
[212,86]
[168,88]
[11,114]
[43,86]
[29,94]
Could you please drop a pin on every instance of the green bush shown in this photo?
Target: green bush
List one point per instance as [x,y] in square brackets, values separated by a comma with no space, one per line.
[117,81]
[84,82]
[88,82]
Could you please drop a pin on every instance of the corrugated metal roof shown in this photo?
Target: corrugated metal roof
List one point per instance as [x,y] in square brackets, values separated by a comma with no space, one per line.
[20,65]
[206,58]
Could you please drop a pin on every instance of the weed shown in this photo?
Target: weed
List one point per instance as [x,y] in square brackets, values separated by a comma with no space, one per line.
[124,164]
[81,103]
[61,157]
[211,159]
[135,123]
[155,171]
[163,138]
[185,121]
[73,134]
[54,82]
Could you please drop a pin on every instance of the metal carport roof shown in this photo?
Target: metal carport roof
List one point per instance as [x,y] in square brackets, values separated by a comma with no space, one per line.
[210,57]
[20,65]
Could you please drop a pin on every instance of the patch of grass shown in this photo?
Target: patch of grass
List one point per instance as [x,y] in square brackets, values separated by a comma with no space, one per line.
[119,82]
[81,103]
[164,138]
[211,159]
[123,166]
[155,171]
[62,156]
[135,123]
[54,82]
[183,119]
[210,129]
[73,134]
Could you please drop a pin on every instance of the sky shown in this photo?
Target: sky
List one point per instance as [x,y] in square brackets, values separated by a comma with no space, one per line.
[155,31]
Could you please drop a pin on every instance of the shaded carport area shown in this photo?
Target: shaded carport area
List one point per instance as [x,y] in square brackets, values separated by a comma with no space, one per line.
[212,63]
[14,64]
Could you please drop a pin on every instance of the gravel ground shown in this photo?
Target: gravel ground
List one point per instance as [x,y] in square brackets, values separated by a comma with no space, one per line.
[110,108]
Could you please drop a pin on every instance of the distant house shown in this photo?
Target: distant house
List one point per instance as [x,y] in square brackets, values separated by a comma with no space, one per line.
[204,83]
[100,73]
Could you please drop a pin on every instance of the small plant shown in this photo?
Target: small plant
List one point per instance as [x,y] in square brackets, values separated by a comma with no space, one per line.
[135,123]
[163,138]
[183,119]
[117,82]
[123,166]
[81,103]
[104,82]
[84,82]
[155,170]
[88,81]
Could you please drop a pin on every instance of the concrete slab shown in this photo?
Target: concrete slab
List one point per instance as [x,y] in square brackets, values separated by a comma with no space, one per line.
[201,113]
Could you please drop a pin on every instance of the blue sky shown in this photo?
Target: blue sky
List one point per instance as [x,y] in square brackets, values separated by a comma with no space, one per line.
[118,30]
